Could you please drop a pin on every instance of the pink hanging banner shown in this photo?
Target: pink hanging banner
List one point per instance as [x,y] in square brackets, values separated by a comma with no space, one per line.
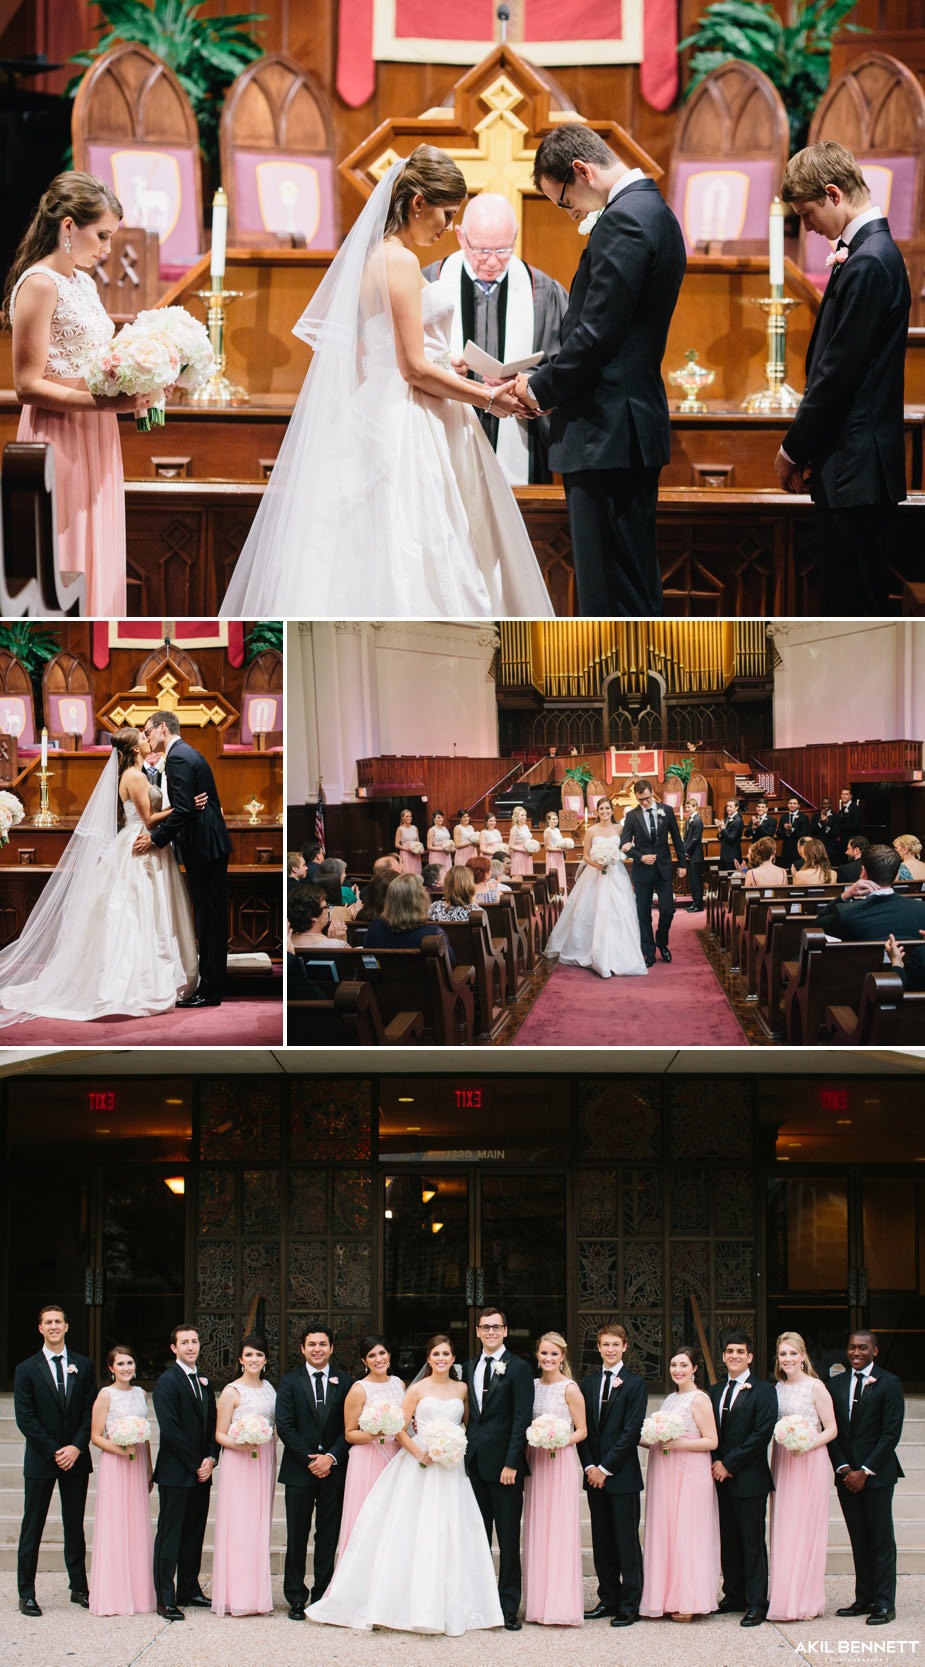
[356,67]
[658,78]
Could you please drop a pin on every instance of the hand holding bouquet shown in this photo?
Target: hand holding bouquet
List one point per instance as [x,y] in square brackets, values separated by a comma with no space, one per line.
[794,1433]
[382,1421]
[531,845]
[164,347]
[660,1428]
[549,1433]
[129,1431]
[251,1430]
[443,1443]
[416,847]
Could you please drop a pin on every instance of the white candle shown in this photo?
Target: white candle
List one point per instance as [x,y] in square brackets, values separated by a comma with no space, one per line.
[44,749]
[219,233]
[776,237]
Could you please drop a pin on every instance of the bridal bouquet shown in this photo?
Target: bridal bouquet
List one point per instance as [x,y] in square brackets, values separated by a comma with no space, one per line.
[382,1421]
[549,1432]
[129,1431]
[11,812]
[416,847]
[163,347]
[252,1430]
[444,1444]
[660,1428]
[795,1433]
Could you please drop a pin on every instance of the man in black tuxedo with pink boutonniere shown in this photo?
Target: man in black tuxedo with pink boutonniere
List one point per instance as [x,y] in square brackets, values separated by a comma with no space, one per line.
[745,1408]
[310,1424]
[500,1408]
[53,1395]
[869,1411]
[184,1406]
[647,831]
[615,1401]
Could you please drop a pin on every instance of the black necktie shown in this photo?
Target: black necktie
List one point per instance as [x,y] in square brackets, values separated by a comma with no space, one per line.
[605,1397]
[319,1390]
[858,1391]
[59,1375]
[727,1403]
[486,1380]
[651,815]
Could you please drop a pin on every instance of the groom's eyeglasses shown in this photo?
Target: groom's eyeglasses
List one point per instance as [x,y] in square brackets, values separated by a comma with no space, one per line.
[562,202]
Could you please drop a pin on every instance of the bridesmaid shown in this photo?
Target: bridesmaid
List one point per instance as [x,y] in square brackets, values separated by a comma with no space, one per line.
[406,835]
[519,838]
[439,843]
[555,850]
[244,1506]
[681,1553]
[57,319]
[491,842]
[121,1581]
[465,838]
[368,1458]
[553,1583]
[802,1486]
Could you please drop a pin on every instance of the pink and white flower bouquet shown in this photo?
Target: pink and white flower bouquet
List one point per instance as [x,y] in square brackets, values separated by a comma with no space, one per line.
[129,1432]
[11,813]
[444,1443]
[660,1428]
[251,1430]
[382,1421]
[549,1433]
[416,847]
[163,347]
[795,1433]
[532,845]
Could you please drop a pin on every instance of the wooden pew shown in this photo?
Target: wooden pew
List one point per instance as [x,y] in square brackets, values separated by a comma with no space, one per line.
[752,924]
[825,975]
[782,938]
[408,981]
[30,538]
[351,1019]
[504,924]
[887,1015]
[471,942]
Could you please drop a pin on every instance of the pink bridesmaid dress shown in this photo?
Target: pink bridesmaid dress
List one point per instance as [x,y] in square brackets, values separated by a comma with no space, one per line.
[553,1586]
[368,1460]
[440,855]
[88,459]
[469,846]
[680,1559]
[410,860]
[555,861]
[244,1515]
[799,1517]
[121,1579]
[521,859]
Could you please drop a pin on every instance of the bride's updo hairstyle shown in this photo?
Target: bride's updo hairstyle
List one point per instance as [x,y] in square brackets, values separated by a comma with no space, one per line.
[558,1342]
[439,1337]
[428,173]
[81,197]
[125,741]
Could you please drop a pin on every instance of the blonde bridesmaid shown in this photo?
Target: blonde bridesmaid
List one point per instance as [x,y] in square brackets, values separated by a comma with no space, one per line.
[553,1584]
[406,839]
[521,840]
[556,846]
[802,1489]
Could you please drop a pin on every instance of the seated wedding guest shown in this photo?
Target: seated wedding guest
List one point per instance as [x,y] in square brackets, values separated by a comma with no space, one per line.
[553,1584]
[406,839]
[615,1406]
[761,825]
[870,908]
[910,965]
[910,850]
[405,919]
[312,853]
[500,871]
[760,868]
[246,1485]
[432,876]
[491,839]
[680,1557]
[373,897]
[815,869]
[851,868]
[458,895]
[334,868]
[792,827]
[309,914]
[296,868]
[730,831]
[369,1454]
[487,889]
[823,825]
[440,850]
[465,838]
[121,1582]
[802,1488]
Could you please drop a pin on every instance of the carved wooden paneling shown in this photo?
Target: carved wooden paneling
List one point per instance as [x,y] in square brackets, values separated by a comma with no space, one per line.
[449,783]
[822,771]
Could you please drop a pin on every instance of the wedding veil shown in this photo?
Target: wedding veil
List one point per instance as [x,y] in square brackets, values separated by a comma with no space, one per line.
[66,901]
[336,445]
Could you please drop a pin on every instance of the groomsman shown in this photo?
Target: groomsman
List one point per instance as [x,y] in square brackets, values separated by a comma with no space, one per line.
[746,1411]
[615,1401]
[869,1412]
[693,852]
[762,824]
[792,827]
[53,1395]
[184,1406]
[310,1424]
[500,1408]
[847,819]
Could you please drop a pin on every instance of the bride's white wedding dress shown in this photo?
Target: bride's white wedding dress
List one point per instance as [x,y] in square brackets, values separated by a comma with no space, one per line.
[599,927]
[131,949]
[417,1559]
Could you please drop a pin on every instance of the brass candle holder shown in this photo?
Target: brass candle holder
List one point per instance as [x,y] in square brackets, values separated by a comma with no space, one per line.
[692,378]
[254,805]
[777,394]
[218,390]
[46,818]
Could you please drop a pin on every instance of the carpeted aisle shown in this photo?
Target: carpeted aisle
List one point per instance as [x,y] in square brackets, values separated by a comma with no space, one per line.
[678,1005]
[239,1023]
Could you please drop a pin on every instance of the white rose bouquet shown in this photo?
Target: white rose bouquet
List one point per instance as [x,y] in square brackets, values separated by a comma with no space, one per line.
[416,847]
[382,1421]
[660,1428]
[794,1433]
[163,347]
[251,1430]
[549,1433]
[11,813]
[129,1432]
[531,845]
[190,338]
[444,1444]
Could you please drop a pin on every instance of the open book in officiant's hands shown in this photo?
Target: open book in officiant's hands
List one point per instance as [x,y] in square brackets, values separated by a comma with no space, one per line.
[484,365]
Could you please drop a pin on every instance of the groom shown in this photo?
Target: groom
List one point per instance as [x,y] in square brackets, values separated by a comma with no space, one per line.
[500,1408]
[646,832]
[202,845]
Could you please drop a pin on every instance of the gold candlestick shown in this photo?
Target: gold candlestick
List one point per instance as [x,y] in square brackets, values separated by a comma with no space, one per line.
[218,390]
[45,818]
[777,394]
[253,805]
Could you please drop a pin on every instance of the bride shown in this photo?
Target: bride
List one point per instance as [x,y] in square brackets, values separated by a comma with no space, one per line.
[599,927]
[417,1559]
[386,492]
[111,932]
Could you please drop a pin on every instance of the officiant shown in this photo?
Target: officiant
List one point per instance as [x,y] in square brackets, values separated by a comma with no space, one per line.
[510,310]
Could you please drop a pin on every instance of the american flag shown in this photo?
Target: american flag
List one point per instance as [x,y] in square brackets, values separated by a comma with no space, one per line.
[319,818]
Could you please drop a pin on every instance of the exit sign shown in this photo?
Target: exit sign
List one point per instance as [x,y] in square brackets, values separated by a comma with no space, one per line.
[101,1099]
[469,1099]
[833,1099]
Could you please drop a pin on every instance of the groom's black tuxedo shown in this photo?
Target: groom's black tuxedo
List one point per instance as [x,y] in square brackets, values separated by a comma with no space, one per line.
[48,1426]
[612,1442]
[186,1421]
[496,1440]
[203,846]
[869,1441]
[744,1435]
[610,430]
[306,1435]
[653,878]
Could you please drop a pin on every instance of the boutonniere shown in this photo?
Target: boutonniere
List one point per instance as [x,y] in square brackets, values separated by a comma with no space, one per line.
[500,1369]
[837,257]
[333,1380]
[587,225]
[71,1369]
[204,1382]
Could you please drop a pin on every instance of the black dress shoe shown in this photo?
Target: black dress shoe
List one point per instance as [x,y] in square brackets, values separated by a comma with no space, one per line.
[598,1612]
[727,1607]
[649,960]
[625,1617]
[665,953]
[880,1617]
[752,1617]
[28,1606]
[694,909]
[511,1623]
[855,1609]
[83,1598]
[170,1612]
[199,1001]
[197,1601]
[297,1612]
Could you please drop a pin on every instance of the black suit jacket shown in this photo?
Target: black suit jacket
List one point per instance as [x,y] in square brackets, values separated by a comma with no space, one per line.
[743,1444]
[497,1431]
[863,919]
[187,1428]
[791,829]
[636,833]
[765,829]
[877,1427]
[605,384]
[613,1441]
[43,1421]
[693,839]
[849,427]
[299,1429]
[730,841]
[199,835]
[848,871]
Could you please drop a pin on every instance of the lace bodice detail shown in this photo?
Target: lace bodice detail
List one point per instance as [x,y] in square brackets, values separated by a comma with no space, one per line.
[261,1398]
[550,1398]
[80,325]
[797,1398]
[125,1403]
[408,836]
[520,834]
[493,837]
[676,1402]
[383,1394]
[431,1410]
[467,834]
[442,839]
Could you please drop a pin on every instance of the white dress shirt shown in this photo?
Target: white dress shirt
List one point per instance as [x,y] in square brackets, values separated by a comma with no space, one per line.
[50,1357]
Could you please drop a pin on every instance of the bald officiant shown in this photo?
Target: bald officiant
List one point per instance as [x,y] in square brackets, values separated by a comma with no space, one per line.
[510,310]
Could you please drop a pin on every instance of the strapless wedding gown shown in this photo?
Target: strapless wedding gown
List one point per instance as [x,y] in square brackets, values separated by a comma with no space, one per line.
[417,1559]
[599,927]
[414,519]
[135,951]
